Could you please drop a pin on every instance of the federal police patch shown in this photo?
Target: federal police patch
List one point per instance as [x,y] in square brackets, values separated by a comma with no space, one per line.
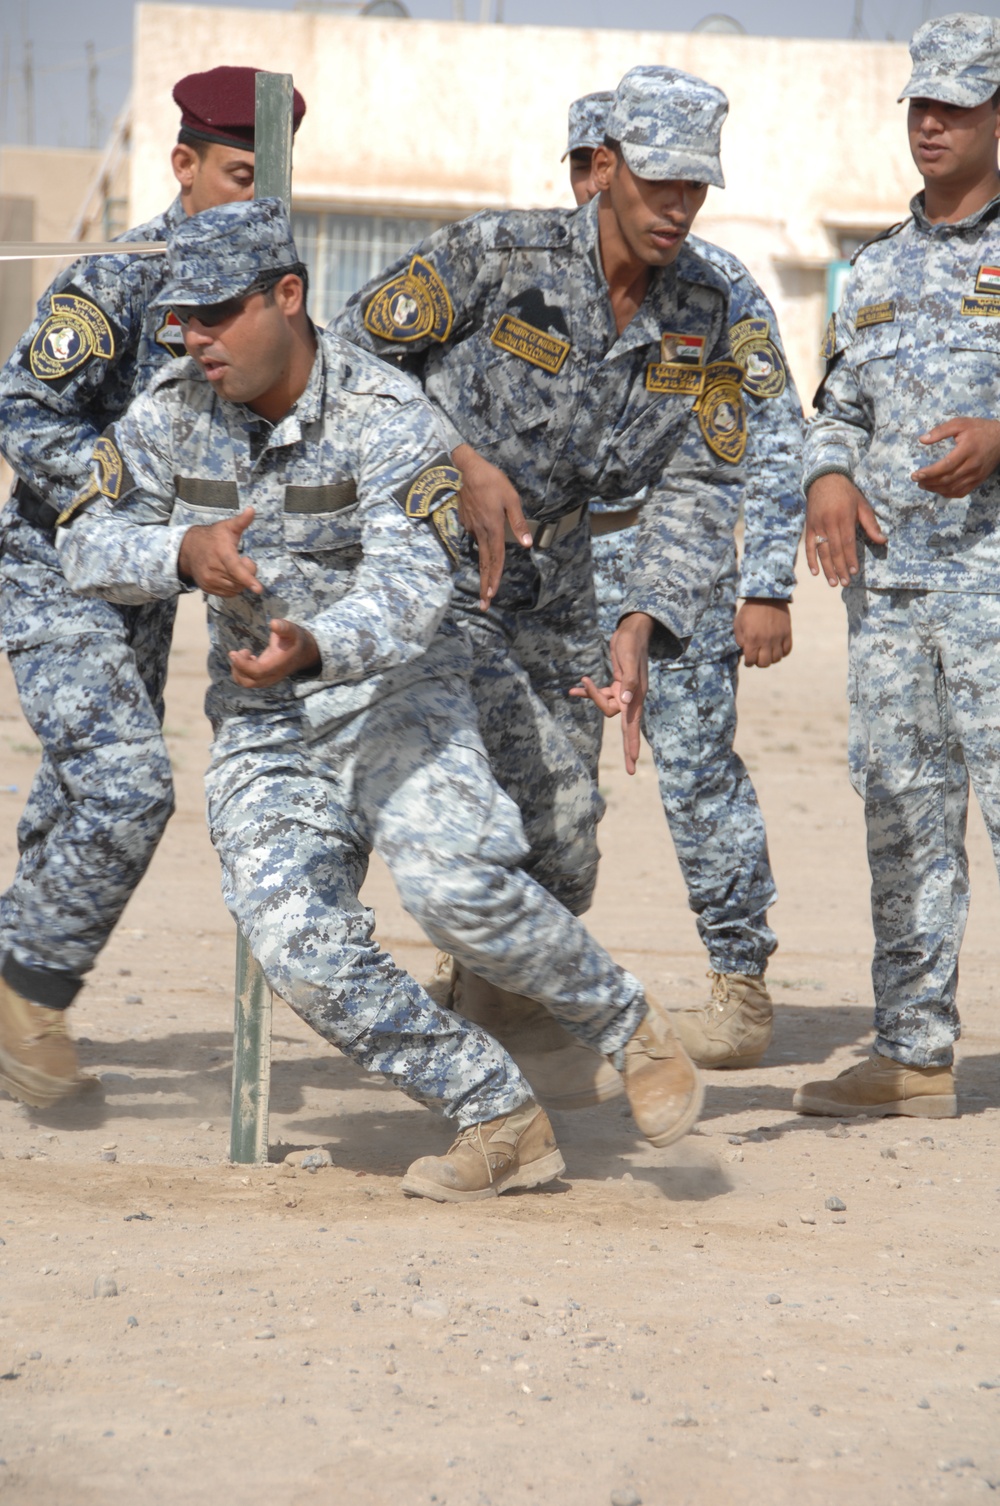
[434,483]
[829,347]
[107,478]
[74,331]
[722,413]
[444,521]
[753,349]
[411,306]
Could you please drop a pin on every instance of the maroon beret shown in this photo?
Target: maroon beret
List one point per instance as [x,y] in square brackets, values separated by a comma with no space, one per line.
[219,105]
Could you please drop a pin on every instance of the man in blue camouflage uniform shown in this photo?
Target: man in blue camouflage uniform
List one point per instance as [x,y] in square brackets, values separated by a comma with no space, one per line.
[305,485]
[90,675]
[545,339]
[689,717]
[903,499]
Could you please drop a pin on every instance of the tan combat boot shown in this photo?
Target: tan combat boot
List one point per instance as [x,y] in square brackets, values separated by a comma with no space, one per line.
[518,1150]
[37,1058]
[662,1083]
[879,1086]
[563,1072]
[734,1028]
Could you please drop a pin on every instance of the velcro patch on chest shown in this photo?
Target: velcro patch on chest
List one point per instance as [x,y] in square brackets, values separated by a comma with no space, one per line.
[333,496]
[429,489]
[981,308]
[536,346]
[875,313]
[73,332]
[411,306]
[988,280]
[170,335]
[675,377]
[206,491]
[722,411]
[764,374]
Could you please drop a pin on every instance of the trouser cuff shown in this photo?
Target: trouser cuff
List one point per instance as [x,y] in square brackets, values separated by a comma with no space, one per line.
[41,985]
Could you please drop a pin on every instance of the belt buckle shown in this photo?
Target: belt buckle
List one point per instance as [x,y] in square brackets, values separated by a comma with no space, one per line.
[545,536]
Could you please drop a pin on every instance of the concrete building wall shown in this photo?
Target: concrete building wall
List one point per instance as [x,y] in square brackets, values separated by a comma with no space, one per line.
[436,118]
[54,180]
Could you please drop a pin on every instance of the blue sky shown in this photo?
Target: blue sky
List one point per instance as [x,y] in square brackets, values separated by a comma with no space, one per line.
[58,31]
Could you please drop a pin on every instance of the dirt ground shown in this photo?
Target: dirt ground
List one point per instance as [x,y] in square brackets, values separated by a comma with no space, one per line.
[683,1326]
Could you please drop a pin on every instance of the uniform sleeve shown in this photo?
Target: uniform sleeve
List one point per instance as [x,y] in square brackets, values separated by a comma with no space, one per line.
[838,434]
[428,297]
[407,492]
[51,387]
[116,538]
[773,504]
[685,541]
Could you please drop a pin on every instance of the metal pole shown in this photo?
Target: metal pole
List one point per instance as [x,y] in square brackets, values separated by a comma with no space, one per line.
[253,1003]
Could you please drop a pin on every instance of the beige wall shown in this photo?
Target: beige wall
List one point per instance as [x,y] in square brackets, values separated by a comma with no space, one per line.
[421,116]
[55,179]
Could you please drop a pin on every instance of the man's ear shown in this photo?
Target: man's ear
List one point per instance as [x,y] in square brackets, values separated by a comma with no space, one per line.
[602,167]
[184,161]
[289,294]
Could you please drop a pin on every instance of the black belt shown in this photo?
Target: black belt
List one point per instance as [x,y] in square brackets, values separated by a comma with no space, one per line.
[34,509]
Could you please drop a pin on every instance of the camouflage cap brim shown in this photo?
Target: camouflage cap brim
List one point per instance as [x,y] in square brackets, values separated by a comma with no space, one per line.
[656,163]
[966,92]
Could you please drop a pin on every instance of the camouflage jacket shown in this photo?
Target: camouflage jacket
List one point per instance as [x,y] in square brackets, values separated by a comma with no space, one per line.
[506,320]
[93,345]
[353,535]
[916,341]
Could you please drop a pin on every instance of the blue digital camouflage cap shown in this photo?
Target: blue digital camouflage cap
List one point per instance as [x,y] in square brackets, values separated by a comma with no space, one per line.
[221,253]
[669,124]
[588,117]
[956,59]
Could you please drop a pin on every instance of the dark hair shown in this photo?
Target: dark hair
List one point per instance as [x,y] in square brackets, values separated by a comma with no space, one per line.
[613,146]
[268,281]
[995,100]
[197,145]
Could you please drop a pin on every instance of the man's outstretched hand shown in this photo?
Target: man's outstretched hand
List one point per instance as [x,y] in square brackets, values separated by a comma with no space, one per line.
[629,682]
[835,509]
[291,650]
[486,503]
[210,556]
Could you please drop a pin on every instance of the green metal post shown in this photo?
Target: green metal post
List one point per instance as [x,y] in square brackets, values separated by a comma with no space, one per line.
[252,1011]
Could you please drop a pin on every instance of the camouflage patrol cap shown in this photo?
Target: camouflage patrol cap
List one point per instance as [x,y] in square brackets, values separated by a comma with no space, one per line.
[669,124]
[222,253]
[956,59]
[588,117]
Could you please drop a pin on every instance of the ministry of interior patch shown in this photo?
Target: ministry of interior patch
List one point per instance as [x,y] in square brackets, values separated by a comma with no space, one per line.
[536,346]
[764,373]
[875,313]
[170,335]
[107,475]
[72,332]
[411,306]
[722,412]
[444,521]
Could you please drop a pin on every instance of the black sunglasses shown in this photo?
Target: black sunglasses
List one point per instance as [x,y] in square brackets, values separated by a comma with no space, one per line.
[210,314]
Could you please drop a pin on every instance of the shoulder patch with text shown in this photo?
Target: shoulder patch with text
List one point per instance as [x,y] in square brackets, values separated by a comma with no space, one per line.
[536,346]
[170,335]
[986,307]
[988,280]
[764,373]
[429,488]
[875,313]
[411,306]
[722,412]
[108,475]
[73,332]
[444,521]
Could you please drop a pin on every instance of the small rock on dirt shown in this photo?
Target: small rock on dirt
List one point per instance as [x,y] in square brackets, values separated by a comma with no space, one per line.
[627,1497]
[431,1308]
[773,1298]
[835,1205]
[105,1286]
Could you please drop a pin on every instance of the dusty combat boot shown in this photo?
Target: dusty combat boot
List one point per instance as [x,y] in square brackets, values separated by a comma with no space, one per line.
[734,1028]
[879,1086]
[662,1083]
[562,1071]
[37,1058]
[518,1150]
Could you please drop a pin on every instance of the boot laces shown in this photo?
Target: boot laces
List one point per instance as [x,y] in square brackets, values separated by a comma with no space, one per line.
[720,990]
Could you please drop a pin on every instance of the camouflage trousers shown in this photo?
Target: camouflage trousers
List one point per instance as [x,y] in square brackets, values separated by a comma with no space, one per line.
[294,823]
[90,679]
[715,821]
[924,691]
[536,640]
